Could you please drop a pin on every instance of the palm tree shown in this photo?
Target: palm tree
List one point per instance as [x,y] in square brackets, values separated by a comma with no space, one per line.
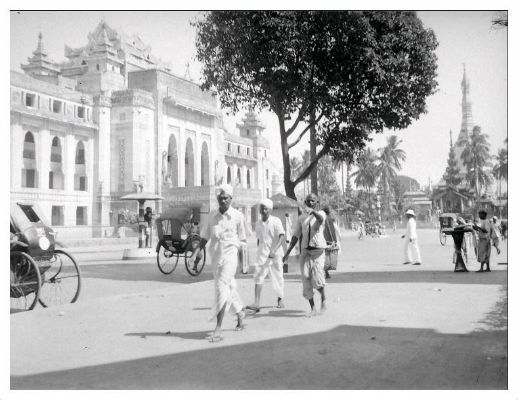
[365,175]
[389,161]
[500,169]
[476,158]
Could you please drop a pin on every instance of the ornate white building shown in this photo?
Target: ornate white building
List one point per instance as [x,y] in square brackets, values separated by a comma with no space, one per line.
[89,130]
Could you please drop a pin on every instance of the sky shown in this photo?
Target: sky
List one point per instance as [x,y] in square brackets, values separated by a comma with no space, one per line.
[465,37]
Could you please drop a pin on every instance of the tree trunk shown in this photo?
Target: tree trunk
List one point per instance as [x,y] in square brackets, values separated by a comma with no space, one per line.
[370,202]
[289,187]
[313,152]
[343,182]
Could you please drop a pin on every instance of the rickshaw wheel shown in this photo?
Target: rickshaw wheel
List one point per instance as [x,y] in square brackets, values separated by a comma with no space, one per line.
[25,282]
[166,259]
[61,281]
[195,271]
[442,237]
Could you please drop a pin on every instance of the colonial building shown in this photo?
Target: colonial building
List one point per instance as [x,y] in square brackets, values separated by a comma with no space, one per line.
[111,118]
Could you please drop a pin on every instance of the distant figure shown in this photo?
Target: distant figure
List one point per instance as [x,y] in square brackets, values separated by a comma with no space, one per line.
[485,234]
[360,226]
[148,220]
[412,254]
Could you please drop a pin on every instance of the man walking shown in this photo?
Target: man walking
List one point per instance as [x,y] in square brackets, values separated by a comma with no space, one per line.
[310,231]
[412,254]
[226,231]
[270,237]
[486,233]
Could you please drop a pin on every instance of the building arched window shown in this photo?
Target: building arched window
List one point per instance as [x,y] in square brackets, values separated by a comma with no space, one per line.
[248,180]
[29,170]
[80,179]
[238,177]
[56,177]
[229,176]
[80,153]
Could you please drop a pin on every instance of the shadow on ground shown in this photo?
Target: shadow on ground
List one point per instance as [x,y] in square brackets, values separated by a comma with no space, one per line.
[421,276]
[143,272]
[346,357]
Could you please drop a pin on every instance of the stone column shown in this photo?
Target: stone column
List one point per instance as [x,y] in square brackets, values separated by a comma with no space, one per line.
[17,139]
[181,156]
[43,141]
[69,161]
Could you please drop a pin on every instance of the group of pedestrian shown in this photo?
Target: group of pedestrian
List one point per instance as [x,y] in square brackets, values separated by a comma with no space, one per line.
[485,235]
[316,231]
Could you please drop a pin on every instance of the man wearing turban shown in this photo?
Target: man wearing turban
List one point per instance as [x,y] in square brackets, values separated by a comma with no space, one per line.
[310,231]
[270,237]
[225,231]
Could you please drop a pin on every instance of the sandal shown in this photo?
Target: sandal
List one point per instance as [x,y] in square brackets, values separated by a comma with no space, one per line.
[215,339]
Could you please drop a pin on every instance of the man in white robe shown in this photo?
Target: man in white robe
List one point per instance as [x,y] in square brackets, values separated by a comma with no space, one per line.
[225,231]
[270,237]
[412,254]
[310,231]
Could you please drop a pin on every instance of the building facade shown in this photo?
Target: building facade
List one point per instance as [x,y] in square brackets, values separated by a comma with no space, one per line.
[111,119]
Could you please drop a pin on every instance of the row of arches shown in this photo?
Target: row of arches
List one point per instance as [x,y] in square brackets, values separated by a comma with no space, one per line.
[170,167]
[56,179]
[239,180]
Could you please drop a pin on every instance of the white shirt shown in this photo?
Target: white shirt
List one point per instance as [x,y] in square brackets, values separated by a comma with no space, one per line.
[310,232]
[267,232]
[411,229]
[224,231]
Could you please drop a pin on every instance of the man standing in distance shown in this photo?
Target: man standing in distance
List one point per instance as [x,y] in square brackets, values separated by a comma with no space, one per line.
[270,237]
[309,229]
[411,247]
[225,231]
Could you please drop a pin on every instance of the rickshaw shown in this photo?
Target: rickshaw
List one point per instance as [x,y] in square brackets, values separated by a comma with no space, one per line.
[178,236]
[446,221]
[38,271]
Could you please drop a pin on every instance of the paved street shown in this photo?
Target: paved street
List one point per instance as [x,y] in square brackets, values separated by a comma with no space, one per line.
[388,326]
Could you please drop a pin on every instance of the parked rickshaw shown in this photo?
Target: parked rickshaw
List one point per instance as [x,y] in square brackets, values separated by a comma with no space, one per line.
[39,272]
[178,236]
[446,221]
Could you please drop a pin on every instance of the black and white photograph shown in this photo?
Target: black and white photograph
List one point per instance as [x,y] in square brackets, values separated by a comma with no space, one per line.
[259,200]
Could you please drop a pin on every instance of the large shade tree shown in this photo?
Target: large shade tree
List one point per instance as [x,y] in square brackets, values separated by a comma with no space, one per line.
[341,74]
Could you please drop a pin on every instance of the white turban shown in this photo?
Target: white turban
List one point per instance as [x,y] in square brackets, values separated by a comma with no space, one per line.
[267,203]
[226,189]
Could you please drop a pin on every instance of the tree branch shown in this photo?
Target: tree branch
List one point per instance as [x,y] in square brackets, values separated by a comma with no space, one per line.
[300,117]
[306,129]
[323,151]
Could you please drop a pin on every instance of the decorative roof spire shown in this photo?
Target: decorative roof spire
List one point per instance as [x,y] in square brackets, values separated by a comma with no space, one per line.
[187,74]
[40,50]
[467,116]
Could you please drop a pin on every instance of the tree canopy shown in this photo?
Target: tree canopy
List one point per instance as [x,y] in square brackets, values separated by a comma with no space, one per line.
[346,73]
